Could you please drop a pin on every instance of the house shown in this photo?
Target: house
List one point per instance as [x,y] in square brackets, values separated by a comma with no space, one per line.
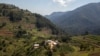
[51,44]
[36,45]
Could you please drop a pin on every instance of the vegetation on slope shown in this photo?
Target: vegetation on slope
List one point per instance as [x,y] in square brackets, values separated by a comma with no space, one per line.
[21,29]
[80,20]
[14,19]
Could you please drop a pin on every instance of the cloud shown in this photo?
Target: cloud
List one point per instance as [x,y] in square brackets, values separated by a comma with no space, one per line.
[63,2]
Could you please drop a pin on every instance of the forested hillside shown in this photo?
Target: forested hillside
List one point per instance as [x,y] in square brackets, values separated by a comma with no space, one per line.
[23,33]
[83,19]
[14,19]
[20,29]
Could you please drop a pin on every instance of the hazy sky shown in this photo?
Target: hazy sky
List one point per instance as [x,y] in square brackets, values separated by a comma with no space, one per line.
[46,7]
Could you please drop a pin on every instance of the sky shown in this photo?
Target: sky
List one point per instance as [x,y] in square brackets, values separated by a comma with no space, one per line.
[46,7]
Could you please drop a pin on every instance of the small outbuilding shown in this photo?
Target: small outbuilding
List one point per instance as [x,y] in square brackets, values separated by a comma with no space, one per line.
[36,46]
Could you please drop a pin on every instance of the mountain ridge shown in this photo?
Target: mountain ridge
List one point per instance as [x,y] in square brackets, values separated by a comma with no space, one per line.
[80,20]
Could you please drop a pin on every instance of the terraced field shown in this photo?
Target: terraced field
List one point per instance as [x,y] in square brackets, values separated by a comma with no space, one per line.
[92,50]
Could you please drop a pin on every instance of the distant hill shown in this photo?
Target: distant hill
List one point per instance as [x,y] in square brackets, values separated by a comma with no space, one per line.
[14,20]
[54,15]
[81,20]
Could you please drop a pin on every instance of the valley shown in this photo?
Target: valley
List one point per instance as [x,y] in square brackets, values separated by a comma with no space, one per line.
[23,33]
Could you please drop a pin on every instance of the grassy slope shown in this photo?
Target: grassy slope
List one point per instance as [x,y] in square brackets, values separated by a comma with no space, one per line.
[24,46]
[90,39]
[14,17]
[21,46]
[38,29]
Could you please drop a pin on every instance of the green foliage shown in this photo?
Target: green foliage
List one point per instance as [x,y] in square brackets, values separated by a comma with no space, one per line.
[94,37]
[64,38]
[20,33]
[7,10]
[2,25]
[85,33]
[16,16]
[64,48]
[22,44]
[84,47]
[49,53]
[42,22]
[13,16]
